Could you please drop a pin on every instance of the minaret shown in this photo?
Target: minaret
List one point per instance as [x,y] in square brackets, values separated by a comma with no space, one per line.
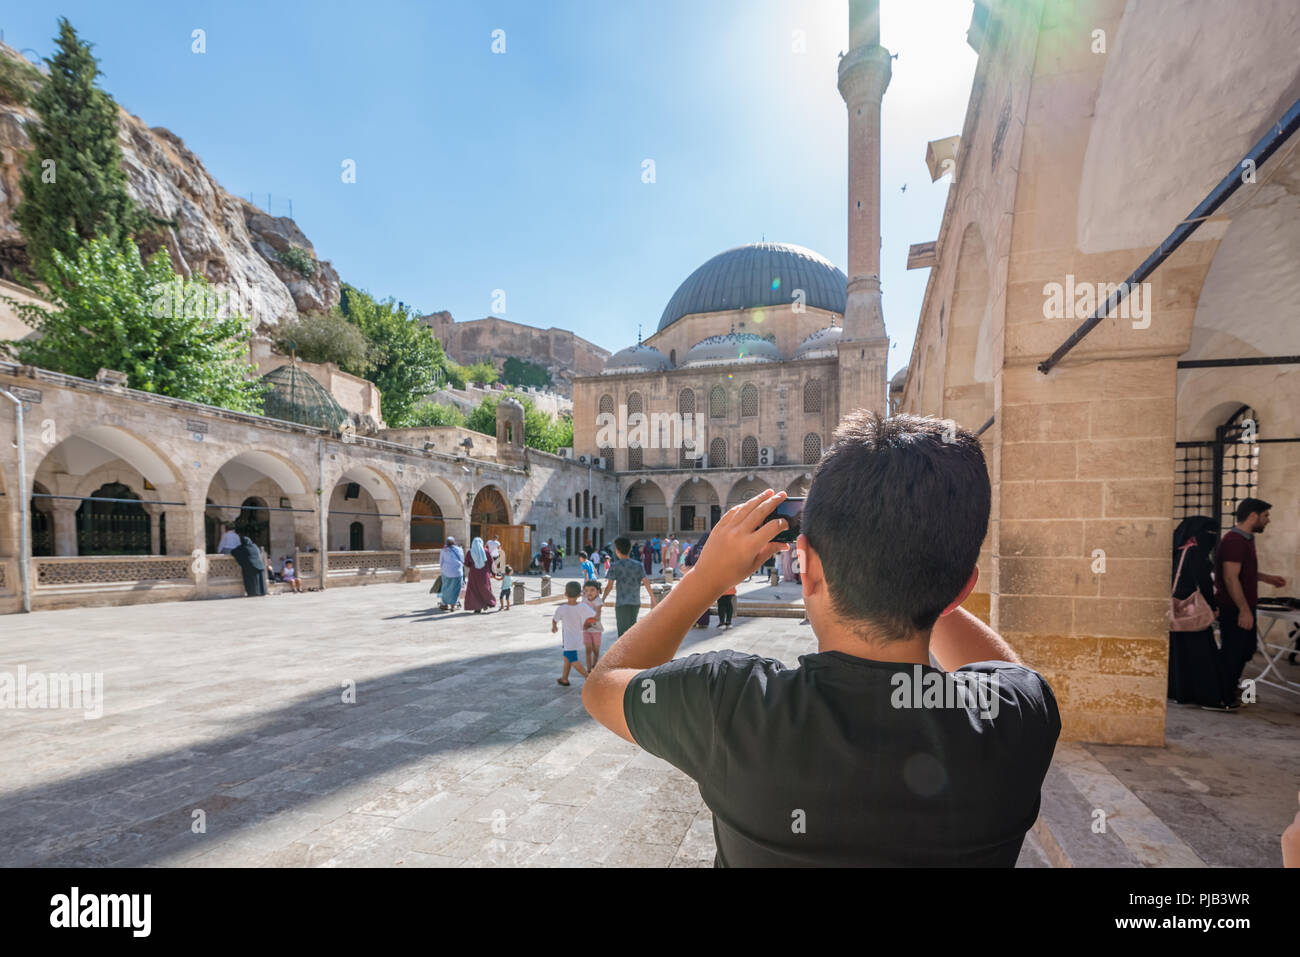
[864,346]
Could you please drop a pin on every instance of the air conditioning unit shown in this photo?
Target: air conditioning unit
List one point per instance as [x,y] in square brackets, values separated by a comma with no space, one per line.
[565,453]
[600,463]
[766,456]
[583,460]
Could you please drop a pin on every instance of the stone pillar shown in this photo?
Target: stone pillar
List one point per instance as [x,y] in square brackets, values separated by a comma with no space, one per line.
[154,512]
[64,514]
[1082,538]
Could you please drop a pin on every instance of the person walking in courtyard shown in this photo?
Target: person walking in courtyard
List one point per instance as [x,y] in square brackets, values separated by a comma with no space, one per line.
[572,615]
[629,577]
[252,566]
[1194,667]
[1237,577]
[547,553]
[507,583]
[559,557]
[478,579]
[726,607]
[452,564]
[588,567]
[647,559]
[493,546]
[592,629]
[672,552]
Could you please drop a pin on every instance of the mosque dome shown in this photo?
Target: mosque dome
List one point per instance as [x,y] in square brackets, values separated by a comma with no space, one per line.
[637,358]
[821,344]
[730,349]
[899,380]
[295,396]
[757,275]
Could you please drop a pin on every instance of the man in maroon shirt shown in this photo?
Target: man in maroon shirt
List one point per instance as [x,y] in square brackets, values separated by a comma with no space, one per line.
[1237,578]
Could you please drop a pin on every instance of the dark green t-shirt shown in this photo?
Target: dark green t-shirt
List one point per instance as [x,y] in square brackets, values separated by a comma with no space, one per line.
[845,761]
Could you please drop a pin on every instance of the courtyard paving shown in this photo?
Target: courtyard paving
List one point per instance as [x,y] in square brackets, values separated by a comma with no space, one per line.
[228,739]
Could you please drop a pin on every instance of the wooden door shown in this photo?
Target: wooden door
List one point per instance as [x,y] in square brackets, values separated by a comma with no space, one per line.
[515,545]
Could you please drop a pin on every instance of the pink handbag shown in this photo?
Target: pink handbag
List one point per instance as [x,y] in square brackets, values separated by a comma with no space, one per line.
[1192,613]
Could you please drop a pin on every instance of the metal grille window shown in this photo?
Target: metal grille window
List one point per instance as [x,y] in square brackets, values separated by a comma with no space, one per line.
[1212,476]
[812,448]
[812,395]
[718,403]
[634,458]
[686,402]
[748,402]
[634,403]
[749,451]
[606,404]
[718,454]
[608,455]
[684,459]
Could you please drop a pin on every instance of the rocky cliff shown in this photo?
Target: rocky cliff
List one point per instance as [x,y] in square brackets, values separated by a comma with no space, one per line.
[224,238]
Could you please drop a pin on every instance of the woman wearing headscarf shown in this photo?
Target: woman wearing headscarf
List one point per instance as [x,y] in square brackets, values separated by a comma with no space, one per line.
[647,559]
[249,557]
[478,578]
[1195,672]
[692,557]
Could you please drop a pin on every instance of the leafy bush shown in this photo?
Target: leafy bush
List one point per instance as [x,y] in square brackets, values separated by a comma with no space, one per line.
[326,337]
[297,259]
[117,312]
[428,414]
[524,373]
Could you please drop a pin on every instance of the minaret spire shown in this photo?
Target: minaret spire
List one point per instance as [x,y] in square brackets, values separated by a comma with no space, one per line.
[864,74]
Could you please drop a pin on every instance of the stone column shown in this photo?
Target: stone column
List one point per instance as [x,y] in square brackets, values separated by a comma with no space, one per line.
[64,514]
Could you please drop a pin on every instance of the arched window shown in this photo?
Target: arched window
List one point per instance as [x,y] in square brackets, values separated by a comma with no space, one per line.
[427,526]
[634,458]
[672,357]
[749,451]
[718,403]
[748,402]
[114,527]
[718,454]
[608,455]
[812,448]
[357,537]
[586,505]
[606,404]
[812,395]
[686,402]
[634,403]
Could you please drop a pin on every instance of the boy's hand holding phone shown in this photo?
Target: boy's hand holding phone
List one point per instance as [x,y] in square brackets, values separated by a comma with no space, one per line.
[742,541]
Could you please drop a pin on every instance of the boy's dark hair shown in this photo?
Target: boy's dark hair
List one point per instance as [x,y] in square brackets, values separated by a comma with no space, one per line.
[509,570]
[1249,505]
[591,584]
[572,590]
[897,511]
[623,545]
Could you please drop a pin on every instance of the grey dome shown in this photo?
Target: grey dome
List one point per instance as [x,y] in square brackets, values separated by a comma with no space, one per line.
[899,379]
[821,344]
[730,349]
[760,274]
[638,358]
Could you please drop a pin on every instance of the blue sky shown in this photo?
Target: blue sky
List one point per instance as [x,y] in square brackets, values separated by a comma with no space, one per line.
[522,171]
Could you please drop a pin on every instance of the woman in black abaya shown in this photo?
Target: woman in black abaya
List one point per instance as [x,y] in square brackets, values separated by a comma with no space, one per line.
[1194,667]
[250,561]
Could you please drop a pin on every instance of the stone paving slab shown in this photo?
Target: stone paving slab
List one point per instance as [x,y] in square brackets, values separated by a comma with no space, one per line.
[457,748]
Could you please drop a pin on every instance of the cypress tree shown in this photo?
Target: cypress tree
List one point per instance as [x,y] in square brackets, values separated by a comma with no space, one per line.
[73,184]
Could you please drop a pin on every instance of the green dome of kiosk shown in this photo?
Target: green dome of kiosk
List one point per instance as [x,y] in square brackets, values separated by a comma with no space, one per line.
[296,397]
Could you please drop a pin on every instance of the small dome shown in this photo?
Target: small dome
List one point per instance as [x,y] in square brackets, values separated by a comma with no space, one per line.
[638,358]
[296,397]
[899,380]
[821,344]
[730,349]
[510,402]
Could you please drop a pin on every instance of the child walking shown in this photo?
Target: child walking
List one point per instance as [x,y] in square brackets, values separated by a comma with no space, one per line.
[592,629]
[507,583]
[571,615]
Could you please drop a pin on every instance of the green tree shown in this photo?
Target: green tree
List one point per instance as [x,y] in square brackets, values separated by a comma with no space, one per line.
[326,337]
[116,312]
[73,184]
[524,373]
[427,414]
[541,432]
[408,359]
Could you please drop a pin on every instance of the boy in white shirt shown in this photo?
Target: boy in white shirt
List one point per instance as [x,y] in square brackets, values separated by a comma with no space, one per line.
[571,615]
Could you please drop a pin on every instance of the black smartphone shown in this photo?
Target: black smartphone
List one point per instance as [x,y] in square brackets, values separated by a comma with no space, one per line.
[792,511]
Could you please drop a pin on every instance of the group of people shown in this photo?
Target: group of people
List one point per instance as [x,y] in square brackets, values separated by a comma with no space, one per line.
[253,563]
[1225,572]
[475,573]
